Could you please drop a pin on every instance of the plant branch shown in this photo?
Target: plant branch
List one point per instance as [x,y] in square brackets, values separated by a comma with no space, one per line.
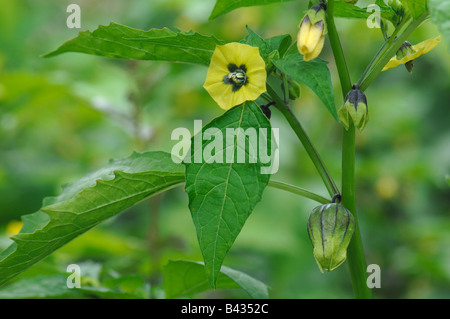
[299,191]
[393,45]
[355,252]
[304,139]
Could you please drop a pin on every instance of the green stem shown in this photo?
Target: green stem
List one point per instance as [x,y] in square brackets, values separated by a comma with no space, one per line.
[391,50]
[388,41]
[299,191]
[355,253]
[304,139]
[285,87]
[339,57]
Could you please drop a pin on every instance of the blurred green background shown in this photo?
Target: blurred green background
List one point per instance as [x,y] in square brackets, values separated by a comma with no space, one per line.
[64,117]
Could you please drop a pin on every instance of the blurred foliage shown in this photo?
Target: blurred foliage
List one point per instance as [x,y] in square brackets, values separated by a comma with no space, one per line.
[63,117]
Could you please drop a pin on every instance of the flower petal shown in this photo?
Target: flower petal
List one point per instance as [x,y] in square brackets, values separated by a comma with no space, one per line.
[420,48]
[226,95]
[316,52]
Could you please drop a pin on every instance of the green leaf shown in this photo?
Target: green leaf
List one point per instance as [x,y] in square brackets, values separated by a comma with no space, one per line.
[281,43]
[185,278]
[223,189]
[440,15]
[85,204]
[314,74]
[255,40]
[225,6]
[121,42]
[348,10]
[267,47]
[46,286]
[55,286]
[416,7]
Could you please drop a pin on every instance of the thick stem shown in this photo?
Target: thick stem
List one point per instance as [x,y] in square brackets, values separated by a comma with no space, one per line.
[355,253]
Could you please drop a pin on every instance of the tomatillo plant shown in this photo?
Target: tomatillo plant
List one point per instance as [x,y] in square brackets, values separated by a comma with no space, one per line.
[225,176]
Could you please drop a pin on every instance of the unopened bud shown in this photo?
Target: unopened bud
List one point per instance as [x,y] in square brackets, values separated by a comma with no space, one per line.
[409,66]
[354,110]
[399,11]
[405,50]
[312,31]
[293,88]
[330,228]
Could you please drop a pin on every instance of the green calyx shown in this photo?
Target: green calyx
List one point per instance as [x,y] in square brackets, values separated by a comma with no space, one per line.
[354,110]
[330,228]
[405,49]
[317,16]
[351,1]
[398,9]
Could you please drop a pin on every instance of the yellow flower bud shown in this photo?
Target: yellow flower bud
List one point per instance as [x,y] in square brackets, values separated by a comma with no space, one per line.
[311,34]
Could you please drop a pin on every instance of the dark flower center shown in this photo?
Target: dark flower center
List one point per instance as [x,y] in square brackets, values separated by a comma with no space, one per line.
[237,76]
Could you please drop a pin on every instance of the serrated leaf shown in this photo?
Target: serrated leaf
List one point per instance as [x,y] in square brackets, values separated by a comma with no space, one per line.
[122,42]
[225,6]
[314,74]
[440,15]
[184,278]
[223,195]
[85,204]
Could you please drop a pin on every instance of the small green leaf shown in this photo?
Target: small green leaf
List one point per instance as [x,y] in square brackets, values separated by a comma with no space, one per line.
[416,7]
[269,49]
[440,15]
[225,6]
[85,204]
[224,188]
[281,43]
[255,40]
[186,278]
[121,42]
[348,10]
[314,74]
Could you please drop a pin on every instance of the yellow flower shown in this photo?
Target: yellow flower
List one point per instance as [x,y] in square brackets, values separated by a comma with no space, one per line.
[14,227]
[418,49]
[237,73]
[311,34]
